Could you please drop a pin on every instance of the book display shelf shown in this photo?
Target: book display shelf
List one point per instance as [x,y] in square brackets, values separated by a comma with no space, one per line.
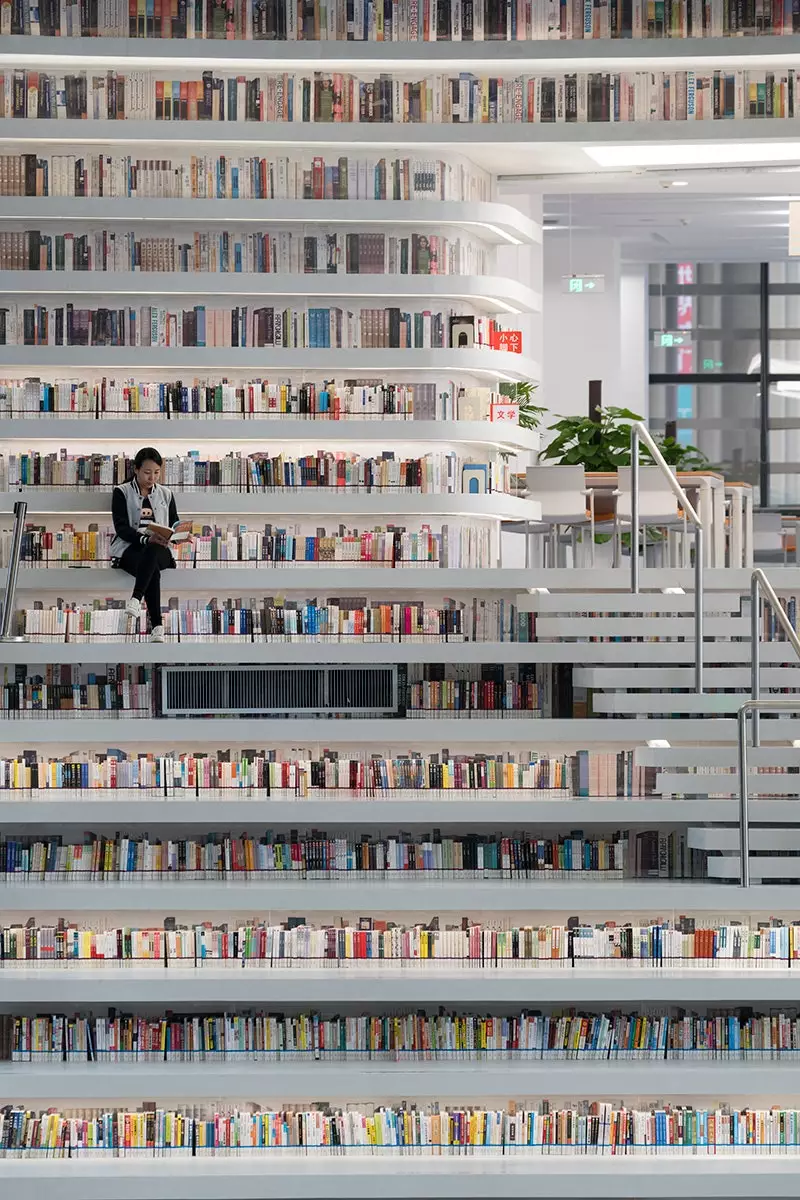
[365,881]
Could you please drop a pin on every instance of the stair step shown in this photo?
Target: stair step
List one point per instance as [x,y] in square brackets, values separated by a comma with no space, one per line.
[727,867]
[683,677]
[721,838]
[616,603]
[658,628]
[718,756]
[779,783]
[620,703]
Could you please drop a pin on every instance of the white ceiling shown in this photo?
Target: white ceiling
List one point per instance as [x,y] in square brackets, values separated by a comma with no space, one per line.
[655,227]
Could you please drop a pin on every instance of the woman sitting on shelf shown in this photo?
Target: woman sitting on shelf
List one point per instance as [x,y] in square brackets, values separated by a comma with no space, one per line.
[145,522]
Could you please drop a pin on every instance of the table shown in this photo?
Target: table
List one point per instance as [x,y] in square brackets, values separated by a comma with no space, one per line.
[740,533]
[706,490]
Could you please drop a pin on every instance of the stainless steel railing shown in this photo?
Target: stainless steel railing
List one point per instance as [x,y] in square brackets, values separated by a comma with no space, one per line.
[751,708]
[20,511]
[640,434]
[760,585]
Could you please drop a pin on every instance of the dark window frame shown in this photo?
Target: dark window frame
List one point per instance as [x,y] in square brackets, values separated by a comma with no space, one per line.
[763,380]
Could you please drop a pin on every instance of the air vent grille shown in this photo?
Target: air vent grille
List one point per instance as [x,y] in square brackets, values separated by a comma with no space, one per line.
[279,691]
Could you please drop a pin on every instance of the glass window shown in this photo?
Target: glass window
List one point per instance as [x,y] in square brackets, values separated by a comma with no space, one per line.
[721,419]
[716,306]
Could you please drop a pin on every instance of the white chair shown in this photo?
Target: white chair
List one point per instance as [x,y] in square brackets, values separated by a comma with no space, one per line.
[563,494]
[658,505]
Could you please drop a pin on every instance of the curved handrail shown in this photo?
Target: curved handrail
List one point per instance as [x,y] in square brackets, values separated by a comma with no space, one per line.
[641,434]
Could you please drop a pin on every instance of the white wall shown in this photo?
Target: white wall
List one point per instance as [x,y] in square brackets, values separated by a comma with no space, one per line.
[593,335]
[634,348]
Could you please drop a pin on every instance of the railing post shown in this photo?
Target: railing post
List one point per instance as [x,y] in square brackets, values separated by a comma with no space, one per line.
[755,653]
[699,608]
[744,800]
[634,510]
[20,511]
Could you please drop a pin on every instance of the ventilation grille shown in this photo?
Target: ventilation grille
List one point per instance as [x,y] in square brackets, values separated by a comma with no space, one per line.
[270,691]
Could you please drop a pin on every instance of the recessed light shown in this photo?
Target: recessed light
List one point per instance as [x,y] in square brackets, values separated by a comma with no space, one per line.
[680,183]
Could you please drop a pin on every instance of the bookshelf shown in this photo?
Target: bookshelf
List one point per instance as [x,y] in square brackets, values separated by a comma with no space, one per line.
[484,293]
[450,1179]
[482,364]
[511,291]
[103,1083]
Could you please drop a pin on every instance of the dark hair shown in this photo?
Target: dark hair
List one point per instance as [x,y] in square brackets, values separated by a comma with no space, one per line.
[147,453]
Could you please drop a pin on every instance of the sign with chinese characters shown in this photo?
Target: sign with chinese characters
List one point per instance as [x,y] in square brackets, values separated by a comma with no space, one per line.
[507,412]
[578,284]
[671,339]
[507,339]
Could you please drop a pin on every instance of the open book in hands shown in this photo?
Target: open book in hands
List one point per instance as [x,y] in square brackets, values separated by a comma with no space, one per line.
[175,534]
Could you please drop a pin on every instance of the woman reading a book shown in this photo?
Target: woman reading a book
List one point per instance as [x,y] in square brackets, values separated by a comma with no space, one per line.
[145,522]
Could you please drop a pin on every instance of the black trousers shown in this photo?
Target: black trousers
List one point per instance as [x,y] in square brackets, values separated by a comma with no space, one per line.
[146,563]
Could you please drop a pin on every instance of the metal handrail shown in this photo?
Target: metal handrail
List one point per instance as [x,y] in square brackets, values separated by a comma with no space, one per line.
[751,707]
[758,584]
[20,511]
[640,433]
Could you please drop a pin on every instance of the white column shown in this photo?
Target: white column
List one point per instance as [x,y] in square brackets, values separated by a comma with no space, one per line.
[581,332]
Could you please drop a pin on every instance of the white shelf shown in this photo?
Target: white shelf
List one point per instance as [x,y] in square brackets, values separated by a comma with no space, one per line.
[489,221]
[447,731]
[338,1081]
[487,811]
[194,430]
[220,653]
[207,986]
[485,293]
[332,502]
[232,576]
[489,364]
[739,1176]
[400,56]
[408,136]
[380,896]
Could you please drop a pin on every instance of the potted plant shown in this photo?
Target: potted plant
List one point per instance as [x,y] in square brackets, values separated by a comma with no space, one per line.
[530,414]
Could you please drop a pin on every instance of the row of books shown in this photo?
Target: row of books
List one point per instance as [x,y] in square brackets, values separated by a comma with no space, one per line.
[570,96]
[329,400]
[314,856]
[437,472]
[243,251]
[276,619]
[738,1036]
[397,20]
[314,328]
[455,546]
[591,1128]
[269,773]
[241,177]
[122,690]
[368,941]
[132,691]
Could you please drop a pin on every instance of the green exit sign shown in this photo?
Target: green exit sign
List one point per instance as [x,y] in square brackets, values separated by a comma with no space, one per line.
[577,285]
[712,364]
[671,339]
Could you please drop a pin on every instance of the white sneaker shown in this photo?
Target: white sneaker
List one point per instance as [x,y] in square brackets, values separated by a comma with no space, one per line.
[157,634]
[133,608]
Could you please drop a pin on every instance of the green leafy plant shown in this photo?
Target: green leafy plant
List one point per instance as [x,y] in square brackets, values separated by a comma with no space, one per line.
[682,455]
[606,445]
[602,445]
[530,414]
